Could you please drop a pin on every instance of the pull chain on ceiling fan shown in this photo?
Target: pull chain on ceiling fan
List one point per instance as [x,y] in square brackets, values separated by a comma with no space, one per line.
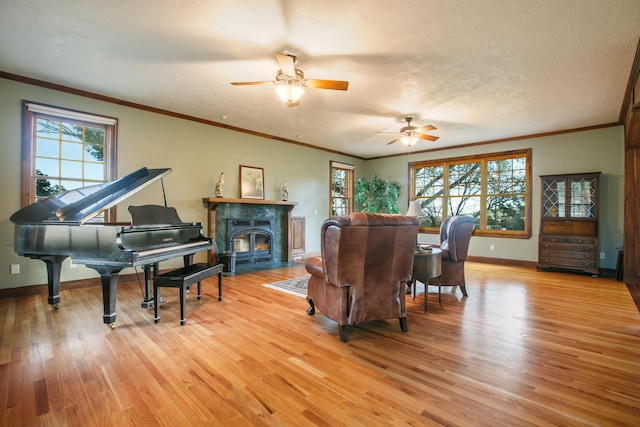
[290,81]
[409,135]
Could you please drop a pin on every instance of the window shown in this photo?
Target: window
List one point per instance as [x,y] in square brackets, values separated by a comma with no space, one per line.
[63,150]
[495,189]
[341,185]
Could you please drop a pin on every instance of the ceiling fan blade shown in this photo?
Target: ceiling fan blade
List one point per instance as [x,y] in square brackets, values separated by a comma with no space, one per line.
[427,128]
[327,84]
[397,139]
[429,137]
[250,83]
[286,64]
[293,104]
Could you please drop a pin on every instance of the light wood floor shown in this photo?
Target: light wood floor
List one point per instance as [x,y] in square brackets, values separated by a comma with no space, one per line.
[525,348]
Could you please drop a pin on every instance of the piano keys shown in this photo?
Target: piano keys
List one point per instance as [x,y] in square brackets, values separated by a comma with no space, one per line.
[65,225]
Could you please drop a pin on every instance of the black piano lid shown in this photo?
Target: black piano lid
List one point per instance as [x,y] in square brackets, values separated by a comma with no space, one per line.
[82,204]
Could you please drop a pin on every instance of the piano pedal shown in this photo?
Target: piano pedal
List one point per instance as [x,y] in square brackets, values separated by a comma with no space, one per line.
[147,304]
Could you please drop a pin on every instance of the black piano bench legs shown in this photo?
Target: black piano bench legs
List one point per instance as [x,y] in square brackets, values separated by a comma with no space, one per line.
[183,278]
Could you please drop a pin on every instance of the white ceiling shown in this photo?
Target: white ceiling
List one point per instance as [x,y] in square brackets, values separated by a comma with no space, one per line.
[478,70]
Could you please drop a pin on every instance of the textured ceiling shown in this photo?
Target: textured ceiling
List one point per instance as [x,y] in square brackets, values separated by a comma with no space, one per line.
[478,70]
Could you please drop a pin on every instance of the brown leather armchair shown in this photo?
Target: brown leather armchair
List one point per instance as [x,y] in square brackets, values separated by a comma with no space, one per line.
[361,277]
[455,233]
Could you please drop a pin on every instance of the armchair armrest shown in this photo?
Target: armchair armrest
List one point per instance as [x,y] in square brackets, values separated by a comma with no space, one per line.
[314,267]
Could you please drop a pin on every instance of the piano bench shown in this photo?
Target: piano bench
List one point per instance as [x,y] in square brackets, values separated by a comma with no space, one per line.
[183,278]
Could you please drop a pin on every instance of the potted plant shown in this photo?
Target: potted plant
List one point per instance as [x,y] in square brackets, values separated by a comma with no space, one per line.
[377,195]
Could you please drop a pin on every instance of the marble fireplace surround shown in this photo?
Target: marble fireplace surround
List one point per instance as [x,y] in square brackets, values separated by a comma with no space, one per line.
[220,209]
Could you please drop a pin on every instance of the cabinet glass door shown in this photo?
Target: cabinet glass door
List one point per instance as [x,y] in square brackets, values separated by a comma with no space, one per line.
[583,198]
[554,198]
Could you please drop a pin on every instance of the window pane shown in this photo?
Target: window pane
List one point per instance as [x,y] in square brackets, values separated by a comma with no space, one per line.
[47,128]
[48,187]
[72,185]
[71,169]
[464,206]
[47,148]
[47,167]
[505,213]
[73,133]
[432,209]
[94,171]
[71,151]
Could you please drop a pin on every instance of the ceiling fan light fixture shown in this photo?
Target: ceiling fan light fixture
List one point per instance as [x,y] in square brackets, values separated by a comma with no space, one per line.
[289,93]
[409,140]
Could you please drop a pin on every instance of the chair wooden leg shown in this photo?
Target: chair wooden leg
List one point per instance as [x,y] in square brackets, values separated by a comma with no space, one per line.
[403,324]
[312,308]
[342,331]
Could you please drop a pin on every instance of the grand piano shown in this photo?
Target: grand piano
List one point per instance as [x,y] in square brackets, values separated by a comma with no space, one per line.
[68,225]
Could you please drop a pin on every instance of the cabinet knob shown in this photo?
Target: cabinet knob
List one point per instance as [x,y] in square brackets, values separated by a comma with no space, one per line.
[588,256]
[580,241]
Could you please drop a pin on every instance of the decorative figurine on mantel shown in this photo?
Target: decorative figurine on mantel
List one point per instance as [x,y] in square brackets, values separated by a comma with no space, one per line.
[219,185]
[285,192]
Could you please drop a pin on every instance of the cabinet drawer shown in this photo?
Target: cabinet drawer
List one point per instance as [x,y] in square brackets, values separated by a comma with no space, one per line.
[550,246]
[582,240]
[567,263]
[551,254]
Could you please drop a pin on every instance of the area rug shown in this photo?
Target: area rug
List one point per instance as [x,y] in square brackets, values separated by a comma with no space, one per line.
[296,286]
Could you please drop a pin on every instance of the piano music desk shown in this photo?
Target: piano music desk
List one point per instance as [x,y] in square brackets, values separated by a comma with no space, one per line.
[183,278]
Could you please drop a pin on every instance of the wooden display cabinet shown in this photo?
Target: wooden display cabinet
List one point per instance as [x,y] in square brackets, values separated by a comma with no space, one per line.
[569,222]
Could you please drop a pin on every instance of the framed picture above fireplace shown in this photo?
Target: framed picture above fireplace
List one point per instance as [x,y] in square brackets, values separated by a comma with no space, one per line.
[251,182]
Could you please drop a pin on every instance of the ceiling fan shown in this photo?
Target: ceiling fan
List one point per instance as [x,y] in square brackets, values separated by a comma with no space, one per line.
[409,135]
[290,81]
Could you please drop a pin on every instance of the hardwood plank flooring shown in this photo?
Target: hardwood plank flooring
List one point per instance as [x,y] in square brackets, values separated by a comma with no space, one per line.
[525,348]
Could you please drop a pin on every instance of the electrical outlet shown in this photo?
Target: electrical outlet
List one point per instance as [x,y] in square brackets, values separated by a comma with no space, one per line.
[315,211]
[15,268]
[491,247]
[601,255]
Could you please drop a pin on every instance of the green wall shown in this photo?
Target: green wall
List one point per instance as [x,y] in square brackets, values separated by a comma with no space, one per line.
[197,153]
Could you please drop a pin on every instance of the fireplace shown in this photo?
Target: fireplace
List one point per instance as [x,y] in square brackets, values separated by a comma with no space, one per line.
[221,209]
[252,240]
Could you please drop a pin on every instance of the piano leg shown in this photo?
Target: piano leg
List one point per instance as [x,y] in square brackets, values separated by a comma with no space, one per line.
[54,266]
[148,298]
[188,260]
[109,278]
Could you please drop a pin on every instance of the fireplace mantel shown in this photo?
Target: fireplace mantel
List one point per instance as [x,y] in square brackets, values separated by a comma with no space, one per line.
[212,203]
[217,200]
